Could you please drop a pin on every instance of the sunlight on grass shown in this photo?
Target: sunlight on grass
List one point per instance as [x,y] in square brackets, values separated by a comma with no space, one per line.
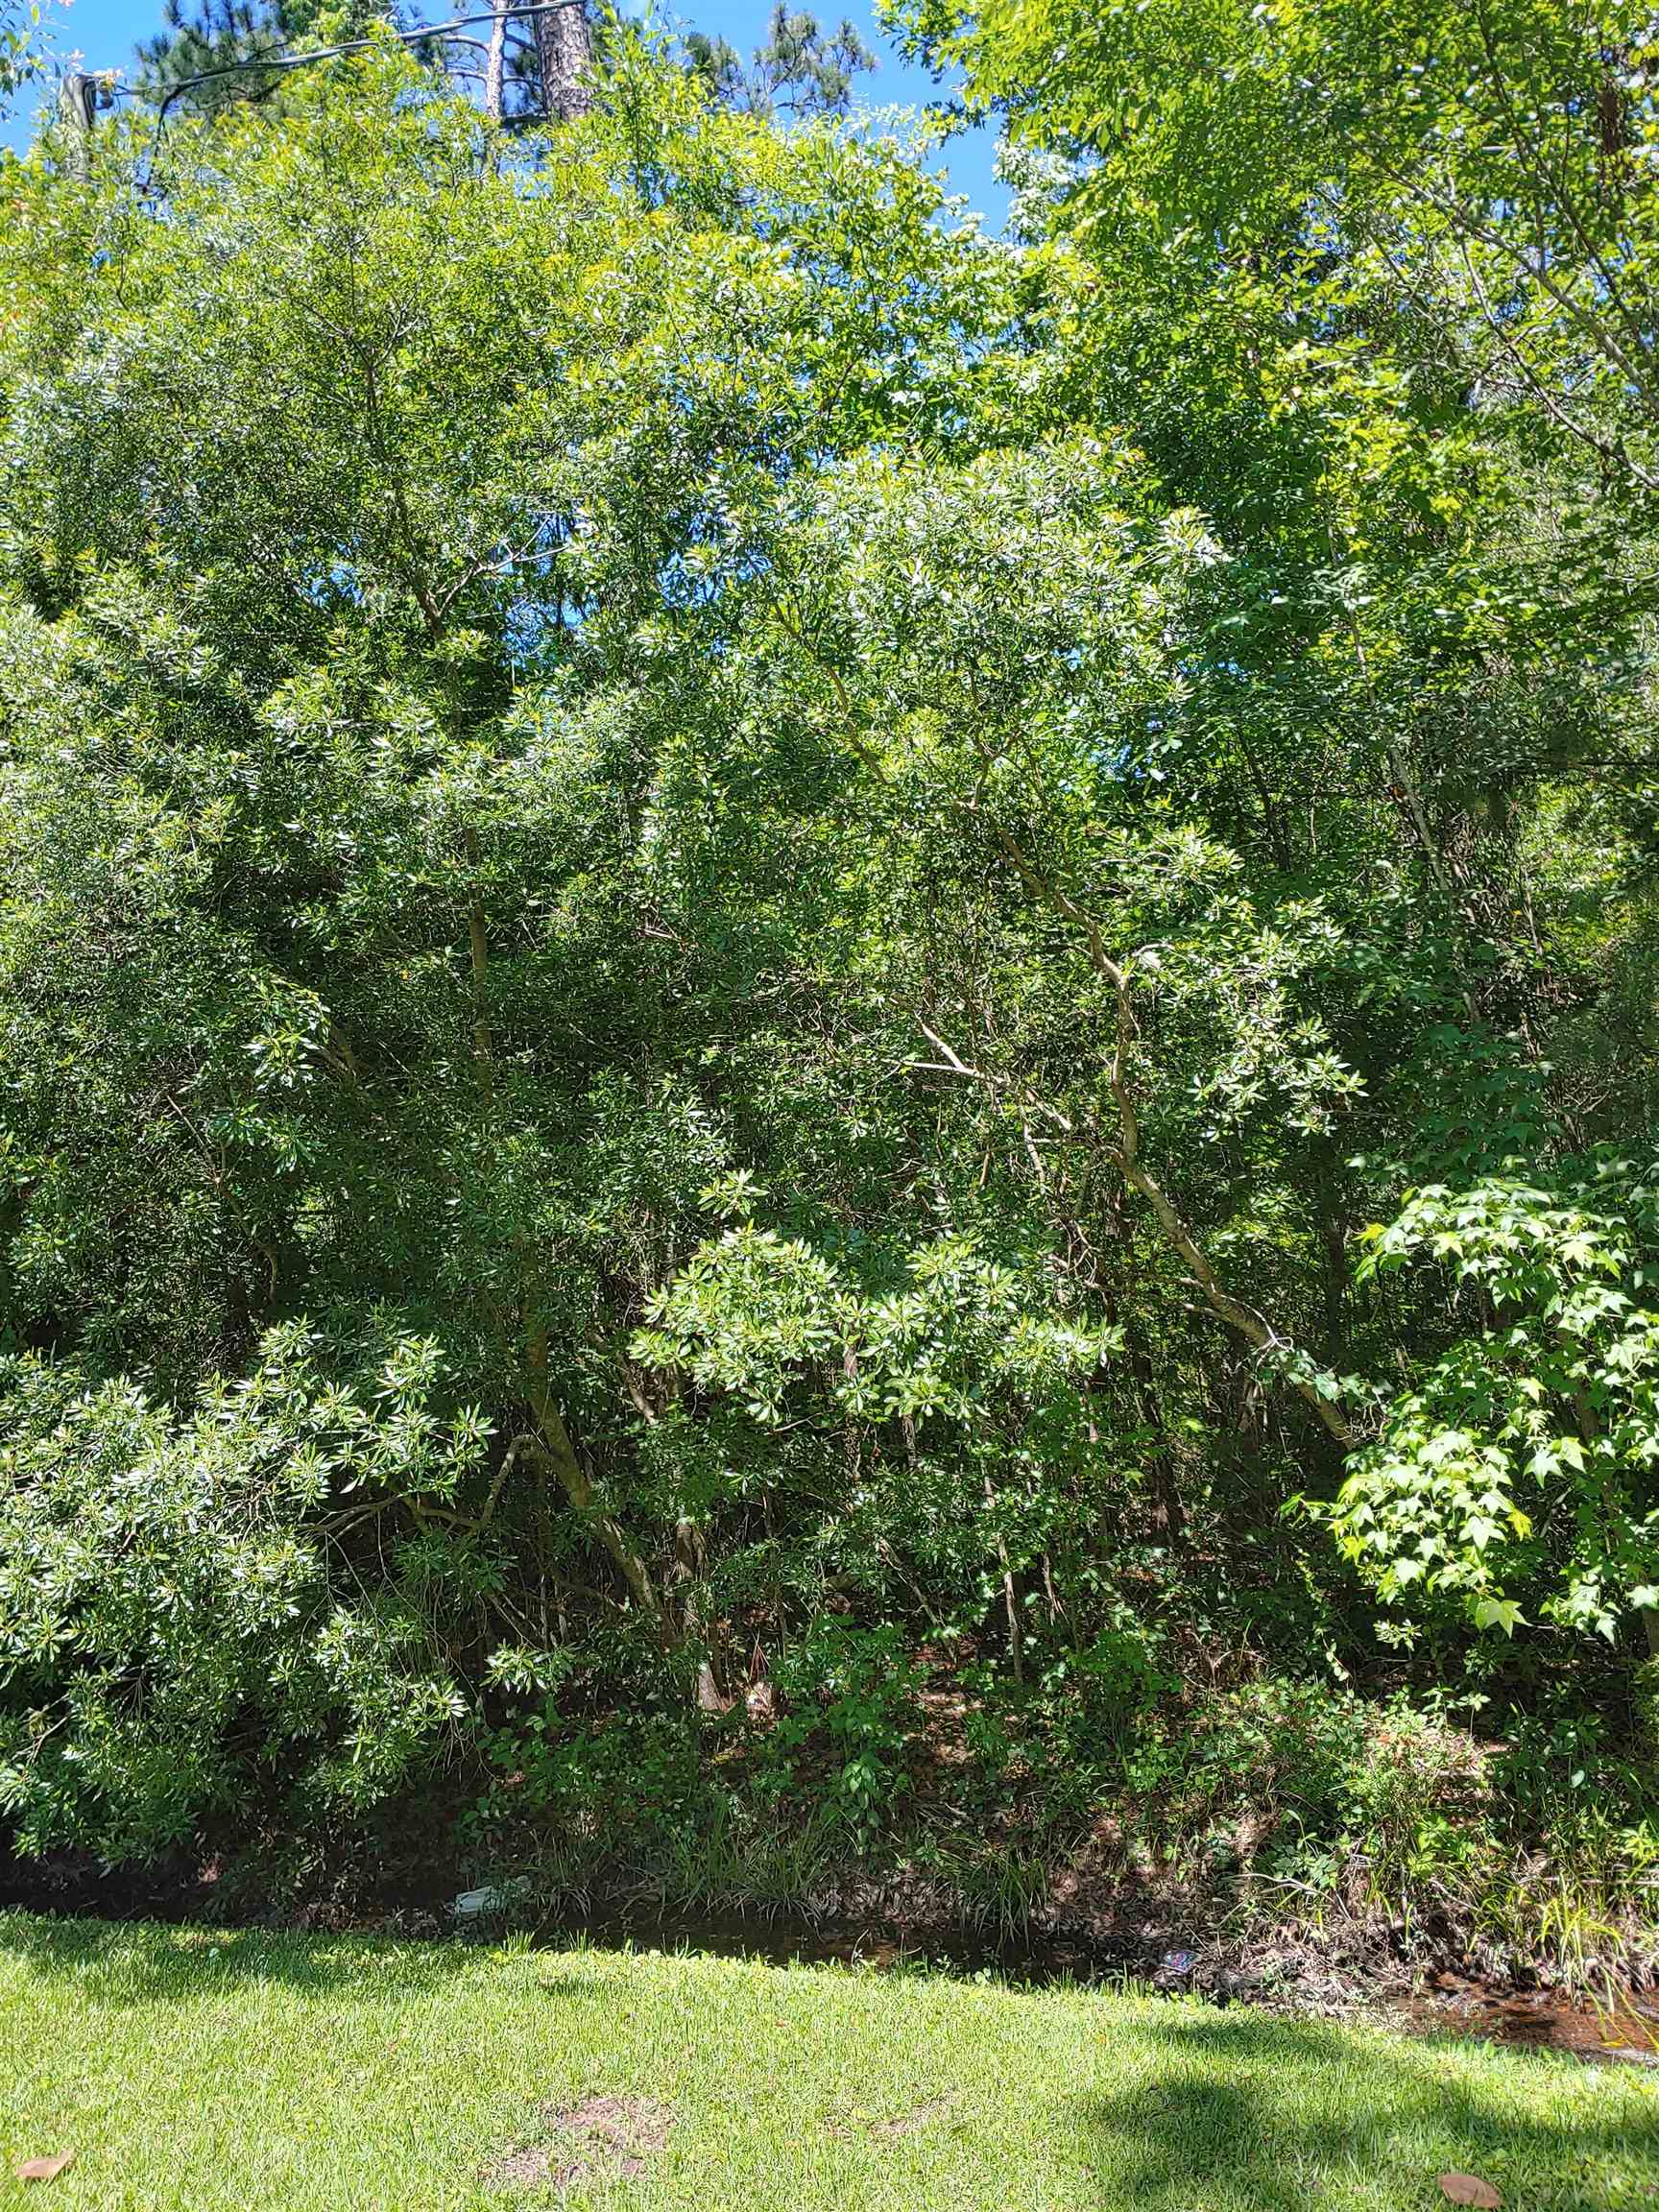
[188,2069]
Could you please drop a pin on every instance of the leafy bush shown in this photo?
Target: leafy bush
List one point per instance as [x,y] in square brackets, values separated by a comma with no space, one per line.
[1304,1780]
[182,1633]
[849,1715]
[626,1787]
[1516,1475]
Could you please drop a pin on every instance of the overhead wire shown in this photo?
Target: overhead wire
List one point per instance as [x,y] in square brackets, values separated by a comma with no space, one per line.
[268,64]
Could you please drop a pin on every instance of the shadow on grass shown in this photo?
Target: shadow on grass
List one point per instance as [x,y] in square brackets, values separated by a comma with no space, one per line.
[1260,2114]
[136,1962]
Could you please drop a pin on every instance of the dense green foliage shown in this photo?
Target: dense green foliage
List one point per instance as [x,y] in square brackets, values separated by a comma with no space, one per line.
[752,949]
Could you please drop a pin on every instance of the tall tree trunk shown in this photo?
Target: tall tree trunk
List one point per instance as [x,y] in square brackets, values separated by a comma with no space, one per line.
[564,48]
[496,67]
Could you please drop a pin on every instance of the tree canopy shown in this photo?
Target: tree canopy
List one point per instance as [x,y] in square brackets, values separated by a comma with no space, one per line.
[752,947]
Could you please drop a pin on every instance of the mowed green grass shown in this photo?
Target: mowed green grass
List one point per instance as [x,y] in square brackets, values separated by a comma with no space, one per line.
[246,2070]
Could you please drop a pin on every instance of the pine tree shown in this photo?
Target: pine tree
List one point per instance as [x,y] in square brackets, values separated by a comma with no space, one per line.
[199,36]
[801,69]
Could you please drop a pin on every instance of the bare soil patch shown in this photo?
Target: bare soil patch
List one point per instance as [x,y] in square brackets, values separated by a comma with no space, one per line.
[601,2139]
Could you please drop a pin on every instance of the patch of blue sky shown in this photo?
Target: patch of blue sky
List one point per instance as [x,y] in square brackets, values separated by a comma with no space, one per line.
[104,35]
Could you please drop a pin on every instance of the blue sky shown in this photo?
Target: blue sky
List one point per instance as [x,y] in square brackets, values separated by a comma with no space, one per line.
[104,31]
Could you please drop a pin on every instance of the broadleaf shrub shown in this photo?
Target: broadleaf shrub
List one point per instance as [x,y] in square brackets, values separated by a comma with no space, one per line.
[183,1635]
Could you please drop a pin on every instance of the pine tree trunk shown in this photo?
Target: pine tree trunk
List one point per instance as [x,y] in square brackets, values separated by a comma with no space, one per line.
[564,47]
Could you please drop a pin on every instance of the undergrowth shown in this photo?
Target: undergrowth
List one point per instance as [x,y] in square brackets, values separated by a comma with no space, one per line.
[1264,1811]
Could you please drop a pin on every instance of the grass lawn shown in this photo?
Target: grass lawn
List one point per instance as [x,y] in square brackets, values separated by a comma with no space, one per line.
[197,2071]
